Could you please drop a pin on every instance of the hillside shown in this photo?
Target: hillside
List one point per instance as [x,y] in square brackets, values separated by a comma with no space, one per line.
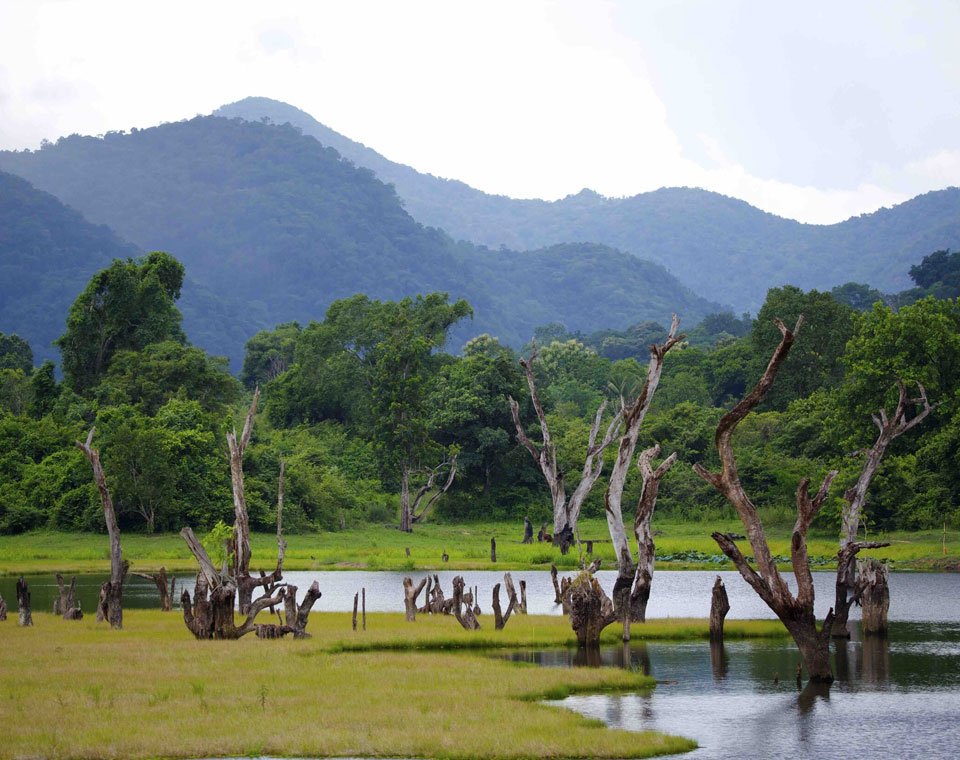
[271,227]
[718,246]
[47,254]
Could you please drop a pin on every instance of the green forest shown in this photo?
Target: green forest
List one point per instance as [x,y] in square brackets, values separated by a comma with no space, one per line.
[377,390]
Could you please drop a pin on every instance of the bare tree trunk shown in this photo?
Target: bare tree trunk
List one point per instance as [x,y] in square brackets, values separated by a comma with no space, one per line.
[23,604]
[111,591]
[796,612]
[463,606]
[493,549]
[159,579]
[719,607]
[522,609]
[66,600]
[566,512]
[406,525]
[3,609]
[527,531]
[591,610]
[410,594]
[873,583]
[556,585]
[500,620]
[356,603]
[855,497]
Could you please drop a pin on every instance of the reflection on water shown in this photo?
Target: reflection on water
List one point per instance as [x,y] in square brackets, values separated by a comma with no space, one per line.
[893,698]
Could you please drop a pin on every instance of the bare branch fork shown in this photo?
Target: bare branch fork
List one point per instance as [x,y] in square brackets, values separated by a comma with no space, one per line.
[566,512]
[796,612]
[450,465]
[110,606]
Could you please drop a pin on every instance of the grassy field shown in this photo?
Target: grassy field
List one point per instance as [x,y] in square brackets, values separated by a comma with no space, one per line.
[379,547]
[80,690]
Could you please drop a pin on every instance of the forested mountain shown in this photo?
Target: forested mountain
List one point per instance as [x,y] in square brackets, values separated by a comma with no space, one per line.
[272,227]
[719,246]
[47,254]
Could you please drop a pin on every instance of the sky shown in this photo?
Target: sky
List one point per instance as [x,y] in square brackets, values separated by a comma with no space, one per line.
[815,111]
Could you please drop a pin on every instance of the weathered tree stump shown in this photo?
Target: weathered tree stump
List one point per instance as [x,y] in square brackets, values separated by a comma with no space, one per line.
[66,604]
[542,534]
[445,557]
[410,594]
[3,609]
[476,601]
[493,549]
[356,603]
[591,610]
[873,578]
[719,607]
[159,579]
[23,603]
[463,606]
[363,604]
[527,531]
[522,609]
[556,584]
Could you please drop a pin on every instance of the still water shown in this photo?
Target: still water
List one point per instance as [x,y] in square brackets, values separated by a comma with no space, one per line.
[895,698]
[917,597]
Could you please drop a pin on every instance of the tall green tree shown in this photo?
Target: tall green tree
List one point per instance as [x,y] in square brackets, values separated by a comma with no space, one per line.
[126,306]
[15,353]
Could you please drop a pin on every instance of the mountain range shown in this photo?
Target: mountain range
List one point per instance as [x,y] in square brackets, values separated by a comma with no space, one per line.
[720,247]
[272,226]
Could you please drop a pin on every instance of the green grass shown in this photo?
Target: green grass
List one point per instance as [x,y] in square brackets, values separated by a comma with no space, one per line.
[379,547]
[80,690]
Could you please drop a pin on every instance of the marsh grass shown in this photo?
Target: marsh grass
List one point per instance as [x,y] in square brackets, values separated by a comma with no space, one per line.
[380,547]
[79,690]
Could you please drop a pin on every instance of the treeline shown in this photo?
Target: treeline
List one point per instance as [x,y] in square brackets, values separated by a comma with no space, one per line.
[364,405]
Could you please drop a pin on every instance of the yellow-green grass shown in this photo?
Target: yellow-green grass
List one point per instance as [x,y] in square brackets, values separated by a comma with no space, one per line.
[80,690]
[379,547]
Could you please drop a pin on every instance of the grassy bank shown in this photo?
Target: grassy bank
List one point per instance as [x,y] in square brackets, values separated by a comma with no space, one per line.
[379,547]
[80,690]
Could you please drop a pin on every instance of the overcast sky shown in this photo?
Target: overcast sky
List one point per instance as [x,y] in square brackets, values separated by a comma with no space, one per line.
[815,111]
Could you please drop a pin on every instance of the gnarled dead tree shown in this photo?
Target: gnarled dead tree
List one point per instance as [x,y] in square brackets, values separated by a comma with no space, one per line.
[890,427]
[632,588]
[566,511]
[463,607]
[159,579]
[796,612]
[874,592]
[411,511]
[211,613]
[23,604]
[110,606]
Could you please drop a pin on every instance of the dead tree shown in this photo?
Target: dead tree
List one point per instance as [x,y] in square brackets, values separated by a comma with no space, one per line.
[522,609]
[159,579]
[3,609]
[566,511]
[500,619]
[23,604]
[527,531]
[632,588]
[890,427]
[493,549]
[66,605]
[561,590]
[796,612]
[110,606]
[719,607]
[410,511]
[211,613]
[463,606]
[410,594]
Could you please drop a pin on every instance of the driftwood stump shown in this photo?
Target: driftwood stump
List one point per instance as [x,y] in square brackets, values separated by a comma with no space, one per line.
[719,607]
[23,603]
